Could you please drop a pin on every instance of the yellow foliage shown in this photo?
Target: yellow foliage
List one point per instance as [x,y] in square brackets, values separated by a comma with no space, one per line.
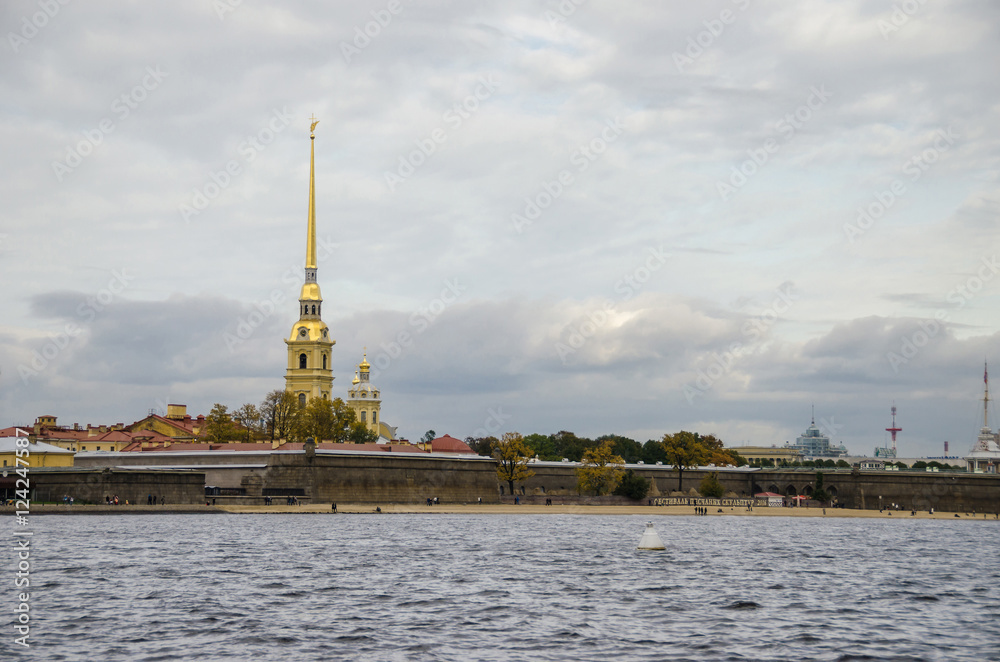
[600,469]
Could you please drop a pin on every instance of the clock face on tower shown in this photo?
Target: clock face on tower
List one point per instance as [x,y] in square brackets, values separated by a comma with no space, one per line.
[302,331]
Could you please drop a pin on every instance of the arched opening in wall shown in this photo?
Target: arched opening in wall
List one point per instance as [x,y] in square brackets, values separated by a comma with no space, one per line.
[314,309]
[808,490]
[773,489]
[832,491]
[501,490]
[374,417]
[324,362]
[302,399]
[364,417]
[302,361]
[756,489]
[522,490]
[790,491]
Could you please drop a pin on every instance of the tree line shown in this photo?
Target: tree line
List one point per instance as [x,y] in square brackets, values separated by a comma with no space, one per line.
[602,460]
[279,416]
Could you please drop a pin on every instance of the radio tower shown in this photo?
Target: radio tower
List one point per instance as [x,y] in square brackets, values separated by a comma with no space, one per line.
[893,430]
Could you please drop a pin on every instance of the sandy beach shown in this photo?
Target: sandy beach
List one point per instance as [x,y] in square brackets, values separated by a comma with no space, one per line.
[504,509]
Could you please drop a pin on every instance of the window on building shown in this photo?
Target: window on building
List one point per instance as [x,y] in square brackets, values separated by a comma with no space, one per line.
[374,417]
[314,309]
[98,448]
[302,399]
[302,360]
[364,414]
[324,362]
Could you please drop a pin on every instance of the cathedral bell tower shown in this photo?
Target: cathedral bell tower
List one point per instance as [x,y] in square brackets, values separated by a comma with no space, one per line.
[309,373]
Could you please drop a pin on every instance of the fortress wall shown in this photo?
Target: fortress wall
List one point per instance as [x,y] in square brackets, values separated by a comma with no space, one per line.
[93,485]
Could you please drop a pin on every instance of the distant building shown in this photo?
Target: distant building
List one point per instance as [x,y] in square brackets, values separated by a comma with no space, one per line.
[812,444]
[774,453]
[363,397]
[985,455]
[38,455]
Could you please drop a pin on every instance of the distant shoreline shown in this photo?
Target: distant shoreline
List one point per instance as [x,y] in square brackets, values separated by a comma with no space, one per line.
[485,509]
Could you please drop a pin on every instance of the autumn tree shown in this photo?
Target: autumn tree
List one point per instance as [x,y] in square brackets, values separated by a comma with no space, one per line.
[600,469]
[277,412]
[219,424]
[684,450]
[249,418]
[718,454]
[512,455]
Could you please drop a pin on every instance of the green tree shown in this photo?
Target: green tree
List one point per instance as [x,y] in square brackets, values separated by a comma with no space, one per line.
[428,437]
[568,445]
[627,449]
[684,450]
[328,420]
[844,464]
[248,416]
[277,412]
[543,446]
[481,445]
[819,493]
[600,469]
[633,486]
[919,464]
[652,452]
[512,456]
[219,424]
[710,486]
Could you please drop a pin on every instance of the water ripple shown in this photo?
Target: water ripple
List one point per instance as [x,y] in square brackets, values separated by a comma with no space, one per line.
[502,587]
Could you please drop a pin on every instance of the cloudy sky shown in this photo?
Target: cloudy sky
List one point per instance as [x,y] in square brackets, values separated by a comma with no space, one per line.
[603,217]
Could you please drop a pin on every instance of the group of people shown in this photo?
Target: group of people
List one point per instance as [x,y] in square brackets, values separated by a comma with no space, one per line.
[432,501]
[151,500]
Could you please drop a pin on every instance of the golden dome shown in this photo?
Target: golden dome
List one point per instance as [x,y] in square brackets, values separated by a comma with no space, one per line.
[355,380]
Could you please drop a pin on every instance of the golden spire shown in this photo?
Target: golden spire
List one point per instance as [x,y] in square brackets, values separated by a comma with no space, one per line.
[311,238]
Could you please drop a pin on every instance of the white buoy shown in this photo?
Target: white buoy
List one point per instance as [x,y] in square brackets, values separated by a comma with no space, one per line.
[650,538]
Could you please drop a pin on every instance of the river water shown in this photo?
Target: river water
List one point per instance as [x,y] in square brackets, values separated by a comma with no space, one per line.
[499,587]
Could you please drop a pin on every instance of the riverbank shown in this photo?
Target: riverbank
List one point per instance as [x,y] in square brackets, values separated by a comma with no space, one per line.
[484,509]
[505,509]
